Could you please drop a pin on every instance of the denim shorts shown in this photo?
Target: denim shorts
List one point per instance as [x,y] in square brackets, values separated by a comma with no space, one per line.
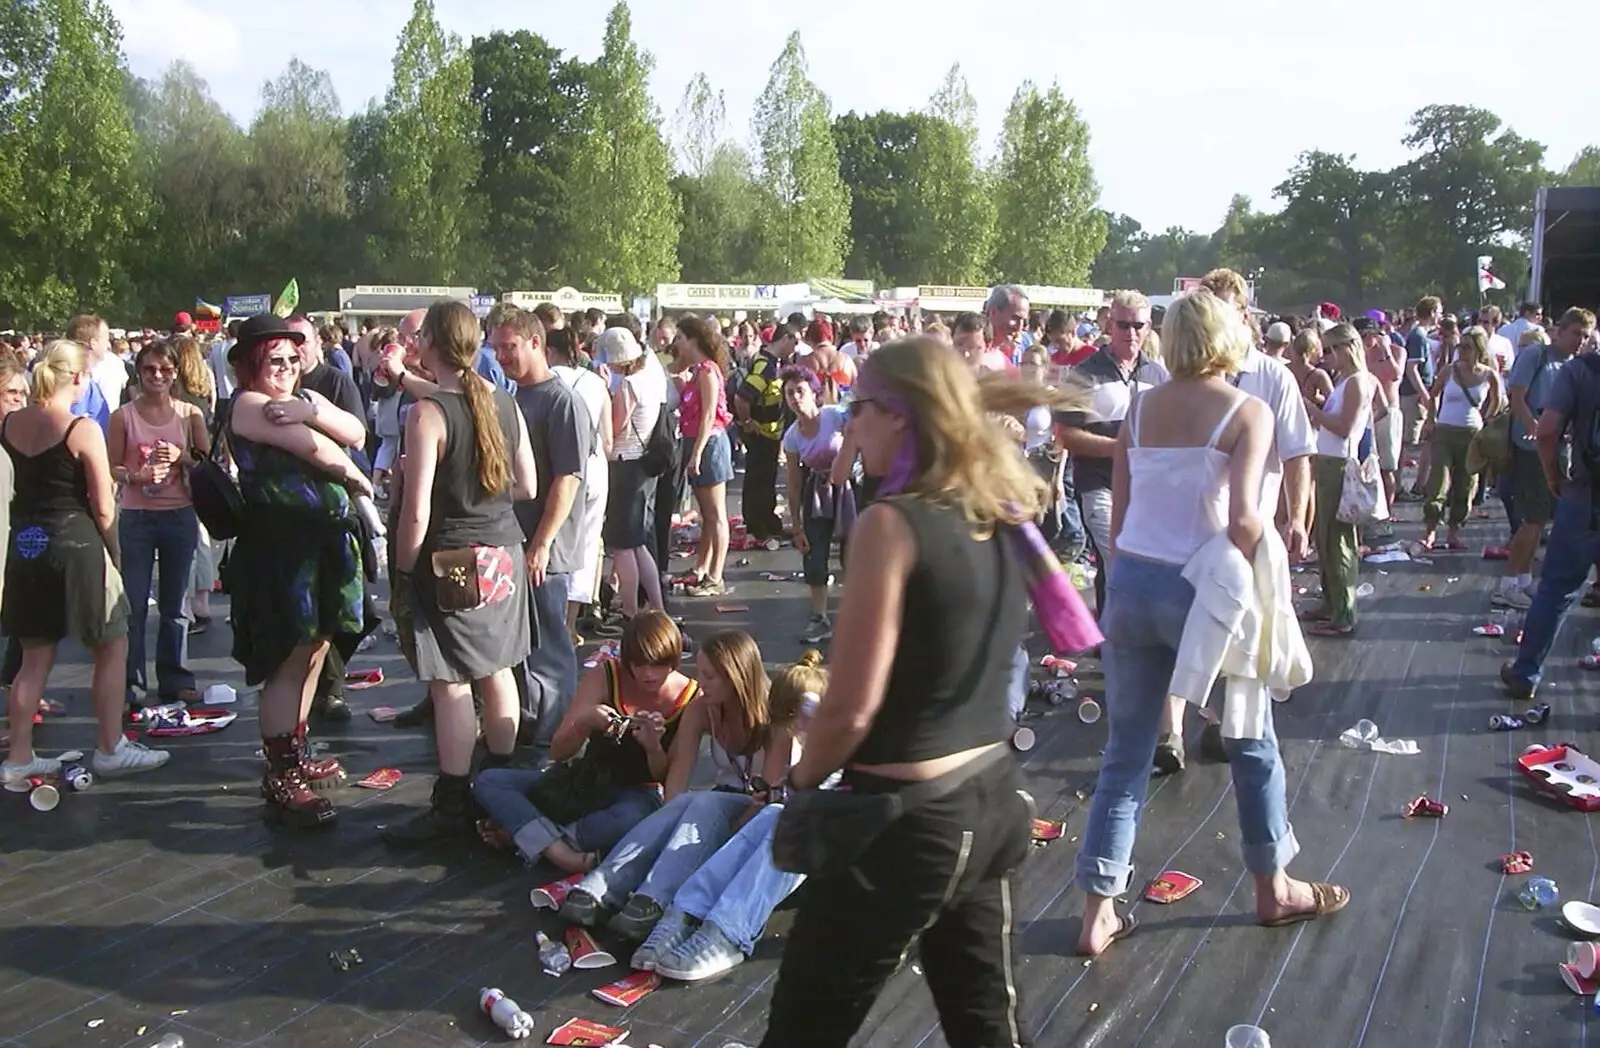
[716,463]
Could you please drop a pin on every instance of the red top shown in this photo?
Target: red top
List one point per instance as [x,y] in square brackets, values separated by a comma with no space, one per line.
[689,406]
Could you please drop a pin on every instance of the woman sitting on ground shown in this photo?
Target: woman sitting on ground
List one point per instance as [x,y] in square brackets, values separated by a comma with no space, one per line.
[718,915]
[295,574]
[61,566]
[646,869]
[644,684]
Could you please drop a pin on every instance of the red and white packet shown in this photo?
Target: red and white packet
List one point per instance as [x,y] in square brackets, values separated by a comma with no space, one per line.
[585,1032]
[624,993]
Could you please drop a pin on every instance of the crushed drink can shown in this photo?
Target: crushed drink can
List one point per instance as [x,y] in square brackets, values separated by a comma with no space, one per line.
[1506,722]
[1538,713]
[76,777]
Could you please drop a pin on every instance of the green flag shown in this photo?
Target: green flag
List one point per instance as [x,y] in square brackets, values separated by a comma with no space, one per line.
[288,299]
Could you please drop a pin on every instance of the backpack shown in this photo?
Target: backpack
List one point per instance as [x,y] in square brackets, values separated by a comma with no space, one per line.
[661,452]
[213,490]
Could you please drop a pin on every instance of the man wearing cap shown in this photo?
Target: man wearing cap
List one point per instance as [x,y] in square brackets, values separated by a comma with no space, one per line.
[1276,341]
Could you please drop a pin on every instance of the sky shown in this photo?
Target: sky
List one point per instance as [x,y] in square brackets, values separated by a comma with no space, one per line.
[1185,106]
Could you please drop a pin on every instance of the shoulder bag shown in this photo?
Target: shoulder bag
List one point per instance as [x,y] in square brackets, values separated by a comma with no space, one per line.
[218,502]
[824,831]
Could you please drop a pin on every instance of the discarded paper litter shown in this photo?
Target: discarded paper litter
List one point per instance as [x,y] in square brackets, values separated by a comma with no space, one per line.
[1364,736]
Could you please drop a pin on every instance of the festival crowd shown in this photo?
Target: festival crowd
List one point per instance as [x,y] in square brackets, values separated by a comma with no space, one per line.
[517,481]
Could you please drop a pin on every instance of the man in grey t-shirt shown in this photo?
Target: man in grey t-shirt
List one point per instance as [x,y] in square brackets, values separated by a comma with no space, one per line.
[562,435]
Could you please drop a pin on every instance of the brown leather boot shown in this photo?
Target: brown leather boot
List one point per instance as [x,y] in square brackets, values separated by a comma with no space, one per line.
[287,790]
[322,773]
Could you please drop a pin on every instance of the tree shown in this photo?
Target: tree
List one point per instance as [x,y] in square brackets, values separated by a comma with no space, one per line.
[1469,192]
[71,199]
[1332,232]
[197,164]
[532,101]
[1048,228]
[1117,266]
[805,214]
[953,207]
[621,180]
[718,194]
[299,193]
[427,213]
[875,163]
[1584,169]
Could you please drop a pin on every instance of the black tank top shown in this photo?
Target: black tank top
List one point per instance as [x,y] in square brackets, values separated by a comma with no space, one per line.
[964,612]
[462,514]
[52,483]
[630,765]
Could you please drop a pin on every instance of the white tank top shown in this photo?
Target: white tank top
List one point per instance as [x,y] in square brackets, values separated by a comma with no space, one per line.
[1177,497]
[1329,442]
[1461,405]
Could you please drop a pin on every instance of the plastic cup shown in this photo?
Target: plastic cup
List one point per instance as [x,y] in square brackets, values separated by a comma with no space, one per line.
[1088,710]
[44,797]
[1585,957]
[1023,739]
[220,695]
[1248,1037]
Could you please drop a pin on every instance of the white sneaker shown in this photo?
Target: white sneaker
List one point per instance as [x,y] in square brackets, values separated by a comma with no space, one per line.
[129,758]
[1512,596]
[15,774]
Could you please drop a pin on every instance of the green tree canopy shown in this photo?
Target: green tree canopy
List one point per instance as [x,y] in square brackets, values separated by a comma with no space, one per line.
[1048,229]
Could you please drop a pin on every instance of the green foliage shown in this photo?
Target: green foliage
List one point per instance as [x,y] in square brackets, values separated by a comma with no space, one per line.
[71,198]
[952,234]
[621,194]
[1584,169]
[1048,228]
[532,101]
[804,224]
[875,163]
[425,213]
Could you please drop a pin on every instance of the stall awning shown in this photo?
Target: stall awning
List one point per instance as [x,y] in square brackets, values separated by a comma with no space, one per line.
[382,300]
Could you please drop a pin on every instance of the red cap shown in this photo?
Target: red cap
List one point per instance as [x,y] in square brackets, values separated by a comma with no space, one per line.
[183,320]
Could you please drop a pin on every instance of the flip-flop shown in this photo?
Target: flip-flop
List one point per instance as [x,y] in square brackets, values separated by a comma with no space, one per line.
[1314,615]
[1329,630]
[1126,926]
[1329,898]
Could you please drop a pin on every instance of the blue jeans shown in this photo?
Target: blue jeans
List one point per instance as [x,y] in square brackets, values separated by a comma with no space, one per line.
[819,532]
[172,536]
[549,676]
[1572,550]
[1073,538]
[738,888]
[660,853]
[1146,606]
[503,793]
[1017,692]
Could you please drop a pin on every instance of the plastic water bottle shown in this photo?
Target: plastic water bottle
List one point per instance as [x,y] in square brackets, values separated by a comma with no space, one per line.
[1364,590]
[1594,646]
[1539,893]
[553,956]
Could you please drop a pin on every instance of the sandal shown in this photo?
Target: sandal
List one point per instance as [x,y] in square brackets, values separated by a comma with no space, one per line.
[1328,629]
[1315,615]
[184,695]
[1329,898]
[1126,926]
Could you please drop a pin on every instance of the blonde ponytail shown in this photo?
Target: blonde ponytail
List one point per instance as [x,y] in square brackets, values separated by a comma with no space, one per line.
[63,360]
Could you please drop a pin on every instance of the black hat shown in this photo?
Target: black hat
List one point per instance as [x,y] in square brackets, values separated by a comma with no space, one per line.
[260,329]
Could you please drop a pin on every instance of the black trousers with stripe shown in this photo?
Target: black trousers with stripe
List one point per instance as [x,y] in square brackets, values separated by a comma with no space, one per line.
[761,487]
[941,873]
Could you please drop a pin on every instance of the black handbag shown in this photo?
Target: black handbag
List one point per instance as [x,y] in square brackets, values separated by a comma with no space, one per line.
[571,789]
[822,832]
[661,451]
[217,500]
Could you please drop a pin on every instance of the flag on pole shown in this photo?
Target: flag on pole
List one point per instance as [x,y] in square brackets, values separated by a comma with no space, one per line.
[1487,281]
[206,309]
[288,299]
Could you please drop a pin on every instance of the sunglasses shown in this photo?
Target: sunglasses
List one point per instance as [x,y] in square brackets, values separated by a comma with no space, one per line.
[858,405]
[283,363]
[156,369]
[1132,325]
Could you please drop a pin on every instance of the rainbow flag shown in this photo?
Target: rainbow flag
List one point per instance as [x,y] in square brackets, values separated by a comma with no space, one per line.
[206,309]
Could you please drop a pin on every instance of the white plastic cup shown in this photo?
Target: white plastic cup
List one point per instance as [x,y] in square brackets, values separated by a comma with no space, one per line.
[1023,739]
[220,695]
[44,797]
[1088,710]
[1248,1037]
[1584,956]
